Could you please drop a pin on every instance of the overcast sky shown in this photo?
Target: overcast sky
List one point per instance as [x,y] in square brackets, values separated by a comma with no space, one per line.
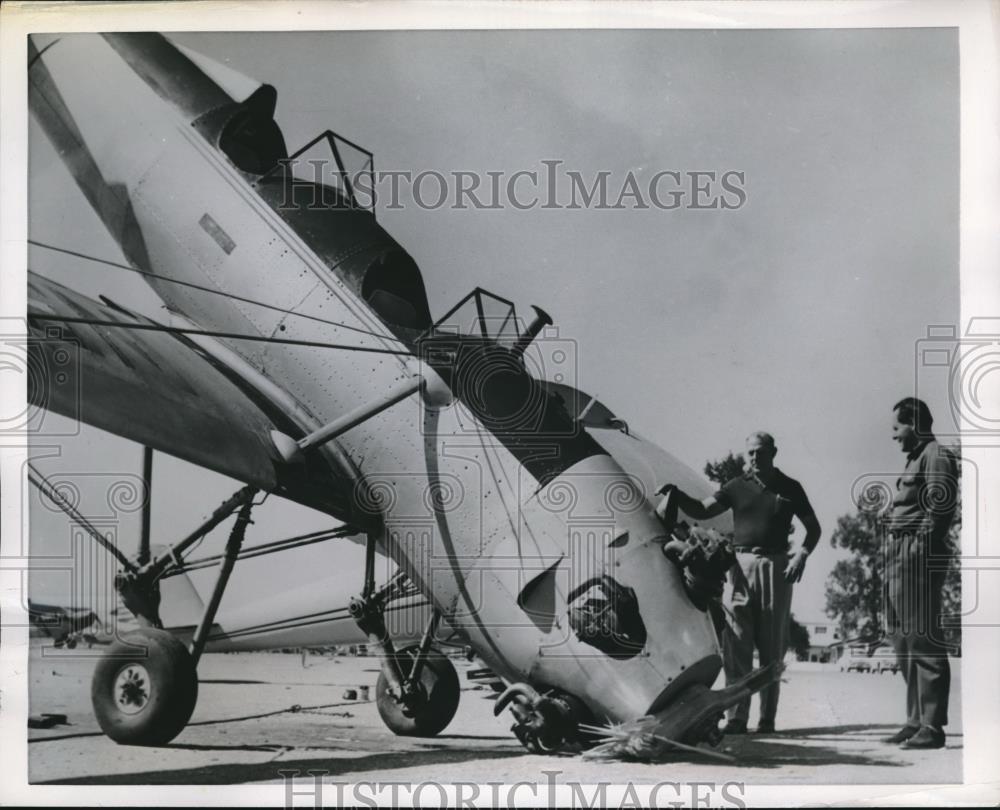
[797,313]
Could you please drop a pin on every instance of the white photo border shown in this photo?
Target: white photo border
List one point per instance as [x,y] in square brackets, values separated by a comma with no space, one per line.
[978,23]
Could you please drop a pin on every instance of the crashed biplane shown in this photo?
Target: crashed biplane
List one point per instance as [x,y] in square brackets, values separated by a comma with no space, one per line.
[299,356]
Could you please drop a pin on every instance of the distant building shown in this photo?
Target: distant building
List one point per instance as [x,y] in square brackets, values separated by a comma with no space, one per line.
[824,638]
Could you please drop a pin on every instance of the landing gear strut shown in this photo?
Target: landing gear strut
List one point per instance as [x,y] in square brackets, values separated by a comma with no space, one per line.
[417,691]
[145,688]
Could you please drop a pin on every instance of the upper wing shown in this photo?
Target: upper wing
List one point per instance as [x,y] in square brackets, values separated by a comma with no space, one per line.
[160,389]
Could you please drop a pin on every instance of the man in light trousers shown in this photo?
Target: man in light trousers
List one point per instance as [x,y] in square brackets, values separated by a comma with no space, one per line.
[763,501]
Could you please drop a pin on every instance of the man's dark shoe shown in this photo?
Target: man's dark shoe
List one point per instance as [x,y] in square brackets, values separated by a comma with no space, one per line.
[735,727]
[925,738]
[765,727]
[902,735]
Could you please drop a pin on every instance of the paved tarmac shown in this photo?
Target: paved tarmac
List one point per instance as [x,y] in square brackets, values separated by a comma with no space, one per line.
[261,713]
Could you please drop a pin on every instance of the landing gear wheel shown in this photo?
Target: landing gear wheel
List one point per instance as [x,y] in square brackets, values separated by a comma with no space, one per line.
[438,691]
[144,688]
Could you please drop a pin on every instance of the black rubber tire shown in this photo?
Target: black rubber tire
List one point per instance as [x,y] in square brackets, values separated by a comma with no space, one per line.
[441,687]
[156,670]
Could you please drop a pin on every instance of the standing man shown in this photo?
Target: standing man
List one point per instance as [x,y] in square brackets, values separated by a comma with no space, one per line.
[919,519]
[763,501]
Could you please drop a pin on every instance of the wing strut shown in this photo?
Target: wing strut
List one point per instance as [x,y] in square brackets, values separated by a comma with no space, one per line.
[233,546]
[139,584]
[139,587]
[425,380]
[292,450]
[147,505]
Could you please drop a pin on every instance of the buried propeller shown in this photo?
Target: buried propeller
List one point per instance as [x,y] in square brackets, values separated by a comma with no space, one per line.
[638,739]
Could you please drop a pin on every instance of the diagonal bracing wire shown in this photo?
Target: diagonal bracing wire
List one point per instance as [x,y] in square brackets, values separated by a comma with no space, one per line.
[178,330]
[53,494]
[202,288]
[265,548]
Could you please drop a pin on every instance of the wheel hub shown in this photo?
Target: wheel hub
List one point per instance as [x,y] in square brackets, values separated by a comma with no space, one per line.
[132,689]
[414,698]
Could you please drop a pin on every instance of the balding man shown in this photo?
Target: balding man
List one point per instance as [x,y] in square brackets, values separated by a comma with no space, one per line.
[763,501]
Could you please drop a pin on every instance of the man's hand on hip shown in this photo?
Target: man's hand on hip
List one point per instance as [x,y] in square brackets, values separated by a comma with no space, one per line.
[796,565]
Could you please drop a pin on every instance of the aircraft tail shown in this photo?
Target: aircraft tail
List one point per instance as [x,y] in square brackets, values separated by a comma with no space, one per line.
[181,606]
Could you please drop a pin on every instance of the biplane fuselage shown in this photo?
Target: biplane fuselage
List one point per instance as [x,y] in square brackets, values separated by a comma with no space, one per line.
[502,502]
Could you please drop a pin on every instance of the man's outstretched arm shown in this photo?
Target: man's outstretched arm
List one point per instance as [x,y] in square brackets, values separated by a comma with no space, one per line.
[699,510]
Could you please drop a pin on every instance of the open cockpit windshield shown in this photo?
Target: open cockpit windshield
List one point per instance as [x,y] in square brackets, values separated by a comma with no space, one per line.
[340,172]
[481,314]
[325,191]
[480,349]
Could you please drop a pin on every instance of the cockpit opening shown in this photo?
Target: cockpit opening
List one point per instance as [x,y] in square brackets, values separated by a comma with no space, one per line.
[478,347]
[331,170]
[325,192]
[394,288]
[251,138]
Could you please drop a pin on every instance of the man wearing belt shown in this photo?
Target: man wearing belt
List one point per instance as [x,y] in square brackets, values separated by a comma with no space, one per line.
[763,501]
[918,523]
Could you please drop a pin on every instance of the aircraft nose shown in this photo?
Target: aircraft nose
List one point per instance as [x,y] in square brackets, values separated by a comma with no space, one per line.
[606,515]
[624,613]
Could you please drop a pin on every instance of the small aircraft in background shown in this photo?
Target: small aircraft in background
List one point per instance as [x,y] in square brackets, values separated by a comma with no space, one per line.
[301,358]
[66,626]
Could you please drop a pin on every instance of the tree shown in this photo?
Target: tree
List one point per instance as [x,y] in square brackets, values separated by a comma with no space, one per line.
[726,469]
[798,638]
[854,586]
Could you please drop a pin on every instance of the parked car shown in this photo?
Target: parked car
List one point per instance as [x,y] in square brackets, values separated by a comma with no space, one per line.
[884,660]
[855,658]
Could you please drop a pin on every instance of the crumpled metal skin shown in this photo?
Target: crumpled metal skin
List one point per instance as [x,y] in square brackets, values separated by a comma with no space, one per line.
[705,556]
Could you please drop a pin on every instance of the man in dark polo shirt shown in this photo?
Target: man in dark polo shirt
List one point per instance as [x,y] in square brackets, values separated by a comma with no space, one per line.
[918,522]
[763,501]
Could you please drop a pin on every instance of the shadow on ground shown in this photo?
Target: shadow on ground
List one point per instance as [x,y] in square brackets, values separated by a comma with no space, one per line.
[775,754]
[866,733]
[813,747]
[234,774]
[796,747]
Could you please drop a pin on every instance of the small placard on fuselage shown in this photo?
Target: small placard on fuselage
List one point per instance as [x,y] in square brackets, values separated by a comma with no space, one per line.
[213,229]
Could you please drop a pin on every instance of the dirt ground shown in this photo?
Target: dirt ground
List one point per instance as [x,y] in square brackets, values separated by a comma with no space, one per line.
[259,714]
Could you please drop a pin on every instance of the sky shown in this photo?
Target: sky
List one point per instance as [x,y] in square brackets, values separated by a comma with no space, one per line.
[798,313]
